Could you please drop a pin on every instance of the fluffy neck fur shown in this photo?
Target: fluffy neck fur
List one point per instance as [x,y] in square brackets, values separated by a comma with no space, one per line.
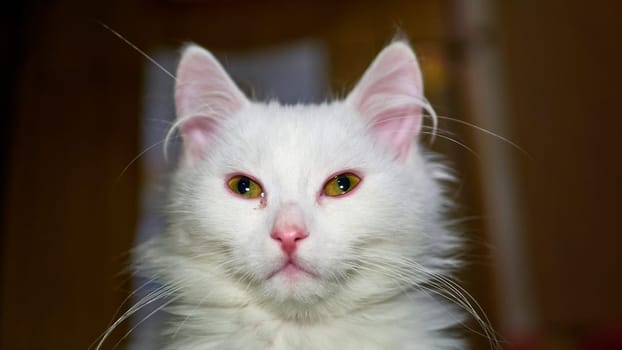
[377,255]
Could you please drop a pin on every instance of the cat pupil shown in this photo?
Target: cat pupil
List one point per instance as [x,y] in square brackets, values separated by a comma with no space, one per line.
[244,185]
[343,182]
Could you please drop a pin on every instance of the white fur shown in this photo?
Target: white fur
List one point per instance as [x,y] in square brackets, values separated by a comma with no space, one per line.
[379,253]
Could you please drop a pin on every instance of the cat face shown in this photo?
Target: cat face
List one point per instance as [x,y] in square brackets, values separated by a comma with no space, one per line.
[304,204]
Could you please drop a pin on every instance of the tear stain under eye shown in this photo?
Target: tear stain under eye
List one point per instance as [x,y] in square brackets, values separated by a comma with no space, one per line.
[263,202]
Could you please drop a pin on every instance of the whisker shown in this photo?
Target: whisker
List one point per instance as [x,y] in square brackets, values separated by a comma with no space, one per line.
[488,132]
[143,320]
[432,129]
[456,142]
[447,288]
[435,128]
[146,300]
[117,34]
[138,289]
[138,157]
[159,120]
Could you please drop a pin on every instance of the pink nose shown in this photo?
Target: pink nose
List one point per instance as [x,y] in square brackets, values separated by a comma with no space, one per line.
[289,238]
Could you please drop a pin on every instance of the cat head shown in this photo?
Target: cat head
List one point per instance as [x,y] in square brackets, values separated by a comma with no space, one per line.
[312,206]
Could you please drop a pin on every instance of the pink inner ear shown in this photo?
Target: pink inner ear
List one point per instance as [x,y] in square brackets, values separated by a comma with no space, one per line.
[398,127]
[204,96]
[390,96]
[196,133]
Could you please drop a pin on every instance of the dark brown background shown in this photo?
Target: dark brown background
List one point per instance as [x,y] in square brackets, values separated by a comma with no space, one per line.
[71,124]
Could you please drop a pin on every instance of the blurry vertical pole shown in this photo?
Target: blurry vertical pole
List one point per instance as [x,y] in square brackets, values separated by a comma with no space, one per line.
[483,86]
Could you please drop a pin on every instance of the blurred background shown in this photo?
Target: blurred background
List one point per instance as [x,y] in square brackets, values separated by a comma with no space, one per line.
[84,115]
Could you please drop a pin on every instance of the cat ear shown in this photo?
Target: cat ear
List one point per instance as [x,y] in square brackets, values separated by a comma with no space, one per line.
[390,97]
[204,96]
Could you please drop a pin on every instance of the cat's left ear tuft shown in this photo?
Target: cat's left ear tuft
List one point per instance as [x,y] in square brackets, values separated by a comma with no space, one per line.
[390,97]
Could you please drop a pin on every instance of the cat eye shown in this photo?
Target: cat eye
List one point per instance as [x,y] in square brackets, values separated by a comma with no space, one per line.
[341,184]
[245,187]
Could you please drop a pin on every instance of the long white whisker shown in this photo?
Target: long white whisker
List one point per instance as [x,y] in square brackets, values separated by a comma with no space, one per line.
[454,141]
[117,34]
[138,156]
[148,299]
[143,320]
[479,128]
[447,288]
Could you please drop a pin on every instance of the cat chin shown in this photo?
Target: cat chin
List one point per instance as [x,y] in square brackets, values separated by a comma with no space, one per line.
[292,272]
[307,302]
[295,287]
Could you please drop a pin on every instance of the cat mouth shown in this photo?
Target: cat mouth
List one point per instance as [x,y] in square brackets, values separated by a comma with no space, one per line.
[291,269]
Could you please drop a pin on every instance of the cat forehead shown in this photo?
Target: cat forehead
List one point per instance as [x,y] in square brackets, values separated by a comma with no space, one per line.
[312,116]
[280,126]
[299,139]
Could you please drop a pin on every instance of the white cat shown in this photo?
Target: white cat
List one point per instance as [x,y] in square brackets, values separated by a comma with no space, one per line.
[305,226]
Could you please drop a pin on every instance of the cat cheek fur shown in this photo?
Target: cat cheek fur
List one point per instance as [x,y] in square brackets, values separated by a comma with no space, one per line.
[368,252]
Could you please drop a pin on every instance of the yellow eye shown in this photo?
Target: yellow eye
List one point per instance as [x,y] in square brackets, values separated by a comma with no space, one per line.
[341,184]
[245,187]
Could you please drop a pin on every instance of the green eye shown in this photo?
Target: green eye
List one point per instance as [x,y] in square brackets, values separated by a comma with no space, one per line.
[245,187]
[341,184]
